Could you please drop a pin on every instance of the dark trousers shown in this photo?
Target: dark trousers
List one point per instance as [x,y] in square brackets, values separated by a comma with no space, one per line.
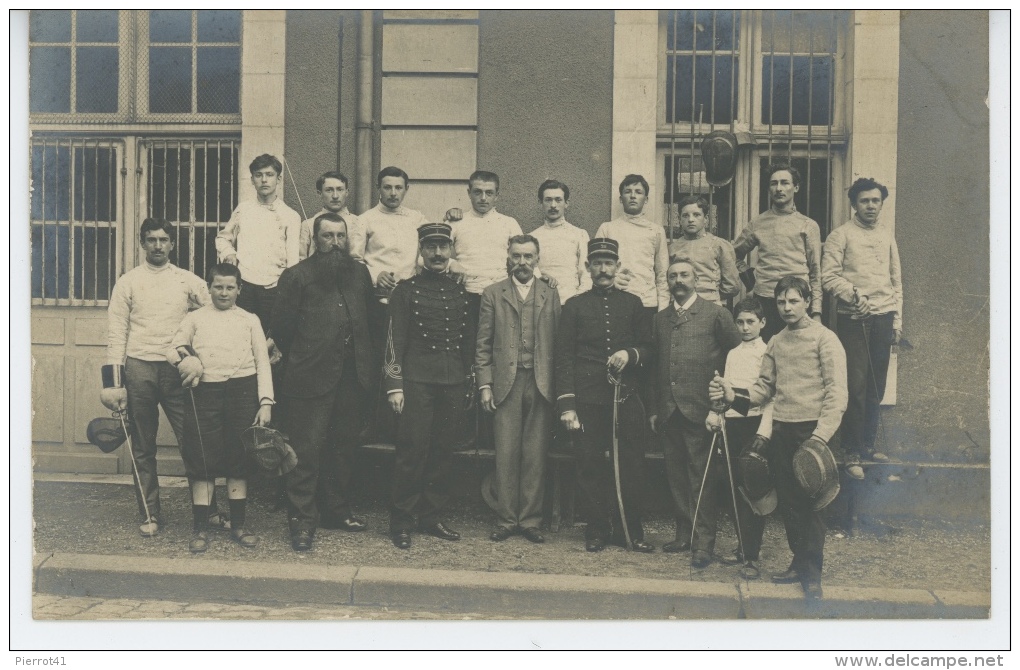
[212,448]
[426,435]
[773,322]
[523,429]
[596,483]
[740,433]
[151,385]
[805,529]
[258,300]
[479,423]
[867,343]
[685,449]
[381,420]
[324,432]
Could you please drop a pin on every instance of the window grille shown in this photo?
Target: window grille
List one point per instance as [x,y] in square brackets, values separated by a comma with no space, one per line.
[772,78]
[76,216]
[192,184]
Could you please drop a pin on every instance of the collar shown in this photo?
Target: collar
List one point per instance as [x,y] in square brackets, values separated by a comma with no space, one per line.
[559,222]
[864,225]
[531,282]
[638,220]
[687,305]
[400,211]
[156,268]
[598,290]
[778,213]
[271,206]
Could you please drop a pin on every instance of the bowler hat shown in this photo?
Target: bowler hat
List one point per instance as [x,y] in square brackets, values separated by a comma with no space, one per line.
[756,483]
[106,433]
[815,469]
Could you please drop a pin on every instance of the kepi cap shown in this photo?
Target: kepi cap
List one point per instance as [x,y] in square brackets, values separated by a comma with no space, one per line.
[437,231]
[603,246]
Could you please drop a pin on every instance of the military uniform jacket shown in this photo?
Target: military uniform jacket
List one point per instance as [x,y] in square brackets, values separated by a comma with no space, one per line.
[593,326]
[313,332]
[688,349]
[429,339]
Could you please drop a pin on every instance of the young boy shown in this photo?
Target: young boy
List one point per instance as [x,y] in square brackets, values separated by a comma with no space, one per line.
[712,257]
[221,355]
[751,432]
[262,238]
[804,369]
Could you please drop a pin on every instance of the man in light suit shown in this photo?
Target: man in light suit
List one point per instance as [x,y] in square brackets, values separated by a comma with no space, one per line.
[690,340]
[514,367]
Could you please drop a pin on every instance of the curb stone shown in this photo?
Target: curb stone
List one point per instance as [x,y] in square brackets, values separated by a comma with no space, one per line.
[458,591]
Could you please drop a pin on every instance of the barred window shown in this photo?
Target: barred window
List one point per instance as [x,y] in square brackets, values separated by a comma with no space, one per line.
[771,77]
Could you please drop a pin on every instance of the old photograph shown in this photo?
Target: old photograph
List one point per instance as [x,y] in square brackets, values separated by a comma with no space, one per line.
[660,315]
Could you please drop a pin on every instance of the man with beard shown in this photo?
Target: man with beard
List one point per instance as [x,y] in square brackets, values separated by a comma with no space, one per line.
[427,379]
[605,333]
[514,364]
[333,189]
[690,340]
[331,369]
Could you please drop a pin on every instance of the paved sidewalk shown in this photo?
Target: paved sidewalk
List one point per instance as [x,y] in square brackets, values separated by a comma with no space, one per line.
[87,545]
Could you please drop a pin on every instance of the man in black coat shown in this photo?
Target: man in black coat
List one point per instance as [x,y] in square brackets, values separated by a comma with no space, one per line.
[603,332]
[331,371]
[427,377]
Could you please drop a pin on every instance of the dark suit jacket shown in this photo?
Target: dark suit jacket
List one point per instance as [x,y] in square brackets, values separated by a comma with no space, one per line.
[499,335]
[307,327]
[688,350]
[593,326]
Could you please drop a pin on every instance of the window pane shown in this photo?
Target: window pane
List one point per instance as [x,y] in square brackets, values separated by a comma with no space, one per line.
[812,88]
[51,183]
[169,80]
[219,81]
[94,258]
[679,107]
[50,257]
[98,79]
[170,25]
[170,183]
[49,80]
[215,186]
[809,32]
[49,26]
[219,25]
[688,29]
[95,187]
[98,25]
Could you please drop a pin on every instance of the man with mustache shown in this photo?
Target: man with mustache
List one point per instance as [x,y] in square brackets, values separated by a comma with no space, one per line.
[320,324]
[603,333]
[514,368]
[427,375]
[690,340]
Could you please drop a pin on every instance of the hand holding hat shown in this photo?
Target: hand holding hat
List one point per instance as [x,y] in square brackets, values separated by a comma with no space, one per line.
[114,399]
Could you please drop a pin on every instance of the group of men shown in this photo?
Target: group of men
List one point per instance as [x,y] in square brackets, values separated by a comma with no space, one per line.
[438,318]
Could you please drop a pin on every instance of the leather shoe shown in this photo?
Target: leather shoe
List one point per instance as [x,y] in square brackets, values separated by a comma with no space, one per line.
[734,558]
[642,547]
[351,524]
[199,542]
[750,570]
[700,559]
[302,540]
[244,538]
[533,535]
[402,539]
[790,576]
[594,544]
[676,546]
[501,533]
[439,529]
[813,590]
